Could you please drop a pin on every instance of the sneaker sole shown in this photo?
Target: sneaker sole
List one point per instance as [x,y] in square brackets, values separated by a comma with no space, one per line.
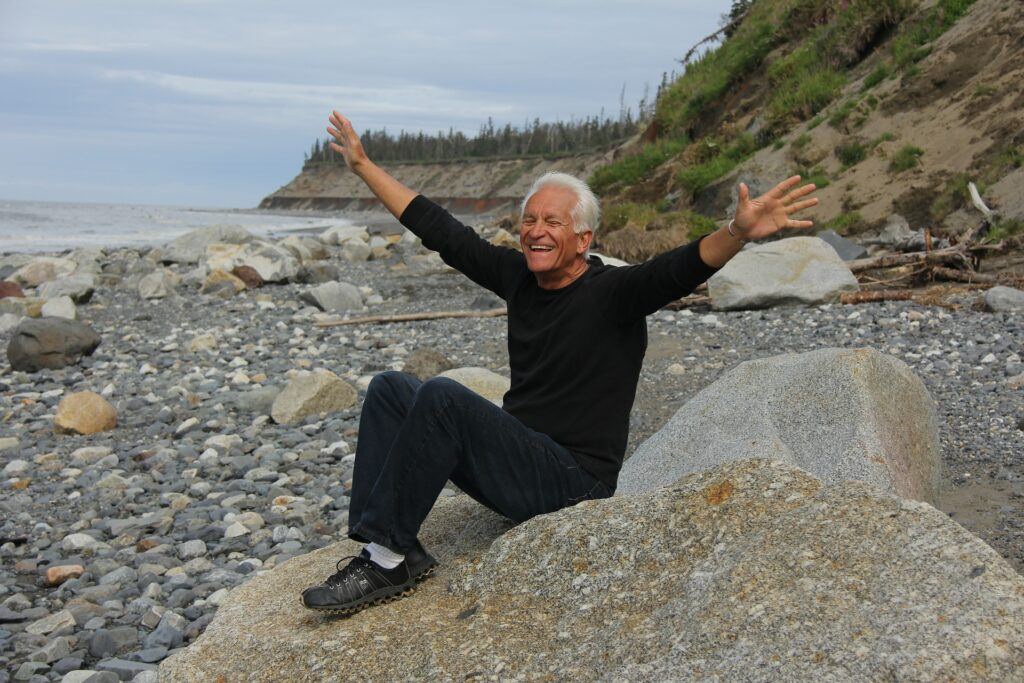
[384,599]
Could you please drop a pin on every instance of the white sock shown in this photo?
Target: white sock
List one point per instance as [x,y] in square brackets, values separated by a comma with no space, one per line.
[384,557]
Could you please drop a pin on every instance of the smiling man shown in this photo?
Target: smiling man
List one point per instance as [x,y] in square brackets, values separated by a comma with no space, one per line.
[576,341]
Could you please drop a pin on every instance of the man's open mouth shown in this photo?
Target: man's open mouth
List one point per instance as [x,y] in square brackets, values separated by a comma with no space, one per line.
[540,247]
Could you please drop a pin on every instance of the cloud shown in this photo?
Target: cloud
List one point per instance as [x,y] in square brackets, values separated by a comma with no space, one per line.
[391,100]
[78,47]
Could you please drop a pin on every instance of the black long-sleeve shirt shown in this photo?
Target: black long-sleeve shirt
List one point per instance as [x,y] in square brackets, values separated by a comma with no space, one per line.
[575,352]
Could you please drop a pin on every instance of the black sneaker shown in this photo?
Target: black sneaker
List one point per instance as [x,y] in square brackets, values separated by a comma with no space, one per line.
[421,563]
[360,584]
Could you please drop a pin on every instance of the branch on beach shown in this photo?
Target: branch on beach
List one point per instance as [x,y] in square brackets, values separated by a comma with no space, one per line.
[408,317]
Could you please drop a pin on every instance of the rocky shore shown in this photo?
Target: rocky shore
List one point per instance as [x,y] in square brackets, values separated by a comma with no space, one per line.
[236,417]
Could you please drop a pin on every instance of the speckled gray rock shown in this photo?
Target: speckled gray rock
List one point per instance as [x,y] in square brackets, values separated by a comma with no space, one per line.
[751,567]
[797,270]
[60,307]
[1005,299]
[50,343]
[837,413]
[317,392]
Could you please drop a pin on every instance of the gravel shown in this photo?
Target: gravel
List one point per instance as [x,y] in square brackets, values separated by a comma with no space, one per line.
[197,490]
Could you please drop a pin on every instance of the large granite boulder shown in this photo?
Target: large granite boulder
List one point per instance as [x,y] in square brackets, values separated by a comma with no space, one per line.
[191,247]
[837,413]
[273,263]
[751,570]
[50,343]
[797,270]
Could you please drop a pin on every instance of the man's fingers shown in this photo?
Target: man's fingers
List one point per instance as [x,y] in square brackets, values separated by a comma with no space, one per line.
[336,147]
[744,193]
[799,224]
[335,133]
[800,206]
[799,192]
[782,188]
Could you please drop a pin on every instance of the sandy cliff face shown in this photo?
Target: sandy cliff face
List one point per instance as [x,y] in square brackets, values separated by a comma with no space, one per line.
[466,187]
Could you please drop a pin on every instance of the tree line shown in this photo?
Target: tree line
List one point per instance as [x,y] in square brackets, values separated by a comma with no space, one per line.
[495,142]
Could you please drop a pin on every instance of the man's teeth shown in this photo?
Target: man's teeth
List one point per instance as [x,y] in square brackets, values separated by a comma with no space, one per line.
[539,247]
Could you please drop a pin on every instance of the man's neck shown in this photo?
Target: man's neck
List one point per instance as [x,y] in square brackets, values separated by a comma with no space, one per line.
[564,278]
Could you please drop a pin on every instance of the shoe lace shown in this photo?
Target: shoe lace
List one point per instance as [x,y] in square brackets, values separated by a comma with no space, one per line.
[354,569]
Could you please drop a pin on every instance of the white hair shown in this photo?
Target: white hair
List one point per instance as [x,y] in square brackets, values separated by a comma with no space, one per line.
[585,215]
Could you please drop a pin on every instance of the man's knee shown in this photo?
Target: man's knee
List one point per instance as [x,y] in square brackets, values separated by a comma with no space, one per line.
[386,381]
[439,390]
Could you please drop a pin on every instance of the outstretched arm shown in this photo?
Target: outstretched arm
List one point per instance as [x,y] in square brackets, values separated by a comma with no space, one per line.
[392,194]
[757,218]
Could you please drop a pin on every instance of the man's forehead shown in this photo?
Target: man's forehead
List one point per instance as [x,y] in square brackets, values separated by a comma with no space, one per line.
[552,198]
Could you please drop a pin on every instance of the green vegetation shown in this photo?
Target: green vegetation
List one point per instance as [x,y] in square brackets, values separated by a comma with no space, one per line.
[801,142]
[954,195]
[851,153]
[715,162]
[847,222]
[1004,229]
[707,79]
[631,169]
[616,216]
[884,137]
[491,142]
[840,114]
[646,217]
[880,73]
[815,175]
[699,225]
[905,158]
[985,90]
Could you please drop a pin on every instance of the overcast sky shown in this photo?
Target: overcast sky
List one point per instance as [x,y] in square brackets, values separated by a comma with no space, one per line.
[207,103]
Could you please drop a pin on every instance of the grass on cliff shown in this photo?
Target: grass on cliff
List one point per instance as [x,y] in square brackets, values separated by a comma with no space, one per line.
[635,167]
[790,59]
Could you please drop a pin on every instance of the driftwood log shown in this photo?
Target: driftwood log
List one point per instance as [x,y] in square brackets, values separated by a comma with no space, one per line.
[408,317]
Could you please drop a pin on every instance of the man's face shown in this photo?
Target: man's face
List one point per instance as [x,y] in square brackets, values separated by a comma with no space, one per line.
[547,236]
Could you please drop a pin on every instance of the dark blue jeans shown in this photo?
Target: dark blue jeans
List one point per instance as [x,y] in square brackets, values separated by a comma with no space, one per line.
[414,436]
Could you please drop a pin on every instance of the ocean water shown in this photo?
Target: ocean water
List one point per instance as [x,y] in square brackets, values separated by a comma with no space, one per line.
[57,226]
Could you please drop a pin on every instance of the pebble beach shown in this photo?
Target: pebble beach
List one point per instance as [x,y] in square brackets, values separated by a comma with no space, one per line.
[117,547]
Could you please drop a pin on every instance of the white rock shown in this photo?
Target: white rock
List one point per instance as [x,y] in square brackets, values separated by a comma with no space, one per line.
[16,468]
[236,529]
[61,307]
[340,234]
[796,270]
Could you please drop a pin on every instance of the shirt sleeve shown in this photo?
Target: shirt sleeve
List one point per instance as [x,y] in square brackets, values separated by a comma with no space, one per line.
[490,266]
[631,292]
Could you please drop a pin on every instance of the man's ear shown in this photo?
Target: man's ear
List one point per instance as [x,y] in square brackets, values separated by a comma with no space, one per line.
[583,241]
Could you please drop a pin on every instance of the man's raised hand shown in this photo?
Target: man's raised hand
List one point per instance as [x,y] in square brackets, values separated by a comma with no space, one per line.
[346,141]
[769,213]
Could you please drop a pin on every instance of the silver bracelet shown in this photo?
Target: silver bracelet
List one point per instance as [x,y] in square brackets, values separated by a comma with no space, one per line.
[729,228]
